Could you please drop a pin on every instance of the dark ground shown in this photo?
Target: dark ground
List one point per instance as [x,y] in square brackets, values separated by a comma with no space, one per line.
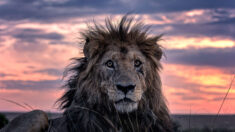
[184,121]
[205,121]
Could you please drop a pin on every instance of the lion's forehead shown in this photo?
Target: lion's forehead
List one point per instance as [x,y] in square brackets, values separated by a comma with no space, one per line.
[124,53]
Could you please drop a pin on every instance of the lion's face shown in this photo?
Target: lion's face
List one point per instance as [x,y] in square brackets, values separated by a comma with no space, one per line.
[119,70]
[123,69]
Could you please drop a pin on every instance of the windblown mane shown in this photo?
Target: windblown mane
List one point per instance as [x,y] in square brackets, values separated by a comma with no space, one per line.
[87,107]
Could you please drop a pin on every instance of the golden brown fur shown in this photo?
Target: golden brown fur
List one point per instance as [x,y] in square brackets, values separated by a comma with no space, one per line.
[90,102]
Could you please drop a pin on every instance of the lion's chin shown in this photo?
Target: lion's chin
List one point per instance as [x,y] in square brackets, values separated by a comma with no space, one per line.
[126,107]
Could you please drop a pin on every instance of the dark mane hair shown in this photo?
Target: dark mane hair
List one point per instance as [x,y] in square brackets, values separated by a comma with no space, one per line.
[85,104]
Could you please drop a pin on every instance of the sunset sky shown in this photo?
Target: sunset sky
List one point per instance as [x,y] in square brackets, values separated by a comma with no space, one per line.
[38,37]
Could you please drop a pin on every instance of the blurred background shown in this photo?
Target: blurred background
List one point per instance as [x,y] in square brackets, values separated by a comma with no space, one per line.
[38,37]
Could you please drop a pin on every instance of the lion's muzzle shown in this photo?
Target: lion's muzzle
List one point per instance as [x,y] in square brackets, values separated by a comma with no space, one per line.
[127,97]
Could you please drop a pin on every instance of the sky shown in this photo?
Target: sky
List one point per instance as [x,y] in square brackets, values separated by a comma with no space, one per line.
[38,38]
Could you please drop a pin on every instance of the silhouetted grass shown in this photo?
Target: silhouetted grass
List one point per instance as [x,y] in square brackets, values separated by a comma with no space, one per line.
[206,129]
[24,105]
[3,120]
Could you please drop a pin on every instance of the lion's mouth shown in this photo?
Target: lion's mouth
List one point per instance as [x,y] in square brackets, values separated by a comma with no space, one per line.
[127,100]
[125,105]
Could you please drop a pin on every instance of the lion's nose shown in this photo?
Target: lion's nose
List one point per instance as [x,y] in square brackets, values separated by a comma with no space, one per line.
[125,88]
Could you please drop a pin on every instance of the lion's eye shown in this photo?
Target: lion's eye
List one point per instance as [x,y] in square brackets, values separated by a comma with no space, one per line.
[137,63]
[109,64]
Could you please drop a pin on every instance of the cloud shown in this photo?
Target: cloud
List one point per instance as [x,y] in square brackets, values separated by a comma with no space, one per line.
[53,10]
[221,14]
[6,75]
[189,97]
[192,86]
[224,21]
[30,85]
[50,71]
[31,39]
[31,35]
[207,23]
[186,89]
[194,83]
[47,10]
[221,98]
[215,57]
[223,28]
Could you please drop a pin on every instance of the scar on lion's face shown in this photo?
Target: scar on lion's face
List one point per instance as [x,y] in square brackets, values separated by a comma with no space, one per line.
[124,73]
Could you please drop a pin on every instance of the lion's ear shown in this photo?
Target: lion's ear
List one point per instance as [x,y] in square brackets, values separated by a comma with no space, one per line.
[90,48]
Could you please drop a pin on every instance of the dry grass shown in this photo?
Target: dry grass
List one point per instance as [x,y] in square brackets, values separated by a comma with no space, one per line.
[224,99]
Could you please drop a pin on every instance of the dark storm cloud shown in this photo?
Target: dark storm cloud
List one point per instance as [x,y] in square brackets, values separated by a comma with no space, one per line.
[29,39]
[50,9]
[30,85]
[224,21]
[31,35]
[155,6]
[216,57]
[222,24]
[223,27]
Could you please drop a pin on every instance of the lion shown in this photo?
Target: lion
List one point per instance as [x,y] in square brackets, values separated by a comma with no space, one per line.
[116,86]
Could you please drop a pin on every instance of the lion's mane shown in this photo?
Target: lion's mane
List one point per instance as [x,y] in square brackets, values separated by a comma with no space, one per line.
[86,107]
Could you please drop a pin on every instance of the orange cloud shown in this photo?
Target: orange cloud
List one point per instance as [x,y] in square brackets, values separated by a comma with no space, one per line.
[181,42]
[200,89]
